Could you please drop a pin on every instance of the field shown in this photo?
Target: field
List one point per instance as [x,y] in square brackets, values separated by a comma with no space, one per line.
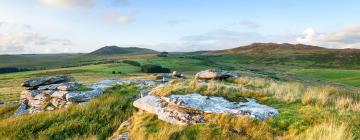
[314,103]
[346,77]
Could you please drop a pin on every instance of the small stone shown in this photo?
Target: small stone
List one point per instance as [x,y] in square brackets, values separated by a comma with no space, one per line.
[50,108]
[123,136]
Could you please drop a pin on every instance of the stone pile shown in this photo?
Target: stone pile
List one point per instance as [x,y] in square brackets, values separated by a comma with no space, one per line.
[215,74]
[51,93]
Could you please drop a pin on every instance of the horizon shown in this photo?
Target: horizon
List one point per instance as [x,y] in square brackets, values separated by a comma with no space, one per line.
[82,26]
[169,51]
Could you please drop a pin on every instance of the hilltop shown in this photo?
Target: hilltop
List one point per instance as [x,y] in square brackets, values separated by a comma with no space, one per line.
[115,50]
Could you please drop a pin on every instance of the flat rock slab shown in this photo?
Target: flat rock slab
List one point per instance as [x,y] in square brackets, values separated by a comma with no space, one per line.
[211,104]
[215,74]
[47,81]
[61,86]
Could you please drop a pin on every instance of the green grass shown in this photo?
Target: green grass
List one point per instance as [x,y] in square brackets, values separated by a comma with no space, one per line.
[97,119]
[347,77]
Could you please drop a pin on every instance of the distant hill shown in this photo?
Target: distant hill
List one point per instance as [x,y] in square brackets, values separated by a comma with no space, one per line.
[271,48]
[289,54]
[115,50]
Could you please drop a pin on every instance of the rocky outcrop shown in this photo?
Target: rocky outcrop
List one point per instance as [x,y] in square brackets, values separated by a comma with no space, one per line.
[211,104]
[48,93]
[215,74]
[190,109]
[56,92]
[34,83]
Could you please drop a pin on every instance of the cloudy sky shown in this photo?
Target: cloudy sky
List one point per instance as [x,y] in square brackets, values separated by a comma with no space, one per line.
[63,26]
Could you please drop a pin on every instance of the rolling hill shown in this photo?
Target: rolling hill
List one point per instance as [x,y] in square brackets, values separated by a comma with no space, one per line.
[115,50]
[289,54]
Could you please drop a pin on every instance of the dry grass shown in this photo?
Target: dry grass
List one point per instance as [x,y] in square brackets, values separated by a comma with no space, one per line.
[326,131]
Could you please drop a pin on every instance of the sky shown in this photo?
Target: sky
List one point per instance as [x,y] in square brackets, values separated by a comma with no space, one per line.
[69,26]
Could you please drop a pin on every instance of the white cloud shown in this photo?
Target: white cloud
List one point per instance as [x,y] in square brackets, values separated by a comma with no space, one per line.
[346,37]
[118,19]
[17,39]
[69,3]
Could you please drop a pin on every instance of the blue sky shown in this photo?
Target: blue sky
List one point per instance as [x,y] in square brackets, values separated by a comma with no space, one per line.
[57,26]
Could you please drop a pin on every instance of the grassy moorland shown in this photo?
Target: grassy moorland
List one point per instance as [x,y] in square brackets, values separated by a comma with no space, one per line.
[302,86]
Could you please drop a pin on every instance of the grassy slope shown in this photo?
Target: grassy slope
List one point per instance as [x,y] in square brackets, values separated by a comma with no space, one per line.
[97,119]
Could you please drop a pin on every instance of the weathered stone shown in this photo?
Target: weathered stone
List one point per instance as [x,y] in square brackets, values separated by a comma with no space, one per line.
[211,104]
[149,103]
[1,103]
[67,87]
[36,109]
[58,103]
[61,86]
[46,81]
[22,108]
[154,104]
[59,94]
[83,96]
[28,94]
[50,108]
[41,96]
[217,74]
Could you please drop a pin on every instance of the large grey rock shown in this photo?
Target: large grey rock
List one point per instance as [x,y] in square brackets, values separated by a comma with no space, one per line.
[46,81]
[1,103]
[83,96]
[150,103]
[211,104]
[22,108]
[154,104]
[215,74]
[61,86]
